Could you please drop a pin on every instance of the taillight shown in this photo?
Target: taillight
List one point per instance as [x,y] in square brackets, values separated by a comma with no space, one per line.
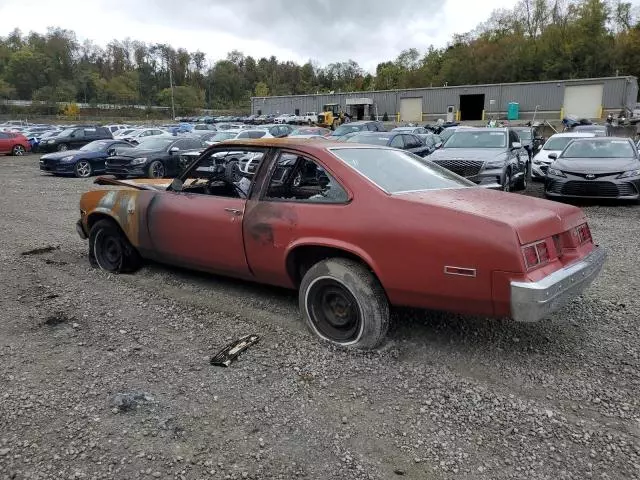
[536,254]
[584,233]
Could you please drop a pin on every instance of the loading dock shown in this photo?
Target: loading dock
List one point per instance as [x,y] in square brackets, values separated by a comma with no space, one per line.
[471,107]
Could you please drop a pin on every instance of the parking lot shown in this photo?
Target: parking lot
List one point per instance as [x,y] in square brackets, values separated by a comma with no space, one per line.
[445,397]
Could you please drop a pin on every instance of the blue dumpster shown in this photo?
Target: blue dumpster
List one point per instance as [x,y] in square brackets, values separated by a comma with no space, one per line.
[513,111]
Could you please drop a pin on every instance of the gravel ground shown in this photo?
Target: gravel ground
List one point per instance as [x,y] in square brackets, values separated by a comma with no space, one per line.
[106,376]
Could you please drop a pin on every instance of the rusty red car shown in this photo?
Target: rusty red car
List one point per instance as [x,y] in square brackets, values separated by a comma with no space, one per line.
[354,228]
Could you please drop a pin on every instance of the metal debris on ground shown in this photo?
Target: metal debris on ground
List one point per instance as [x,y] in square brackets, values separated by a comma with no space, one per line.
[124,402]
[229,353]
[41,250]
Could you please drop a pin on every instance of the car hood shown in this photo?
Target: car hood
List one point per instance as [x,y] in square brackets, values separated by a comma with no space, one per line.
[482,154]
[531,218]
[596,165]
[59,155]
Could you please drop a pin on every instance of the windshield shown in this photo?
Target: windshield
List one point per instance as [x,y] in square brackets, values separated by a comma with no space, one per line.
[344,129]
[97,146]
[557,143]
[67,132]
[446,133]
[395,171]
[221,136]
[524,134]
[476,139]
[599,149]
[369,139]
[155,143]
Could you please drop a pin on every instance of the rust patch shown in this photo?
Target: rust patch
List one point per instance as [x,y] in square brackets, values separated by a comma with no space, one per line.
[260,224]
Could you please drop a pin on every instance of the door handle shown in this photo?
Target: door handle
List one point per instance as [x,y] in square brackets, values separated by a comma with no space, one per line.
[234,211]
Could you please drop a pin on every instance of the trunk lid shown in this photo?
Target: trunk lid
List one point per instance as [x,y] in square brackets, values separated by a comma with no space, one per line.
[531,218]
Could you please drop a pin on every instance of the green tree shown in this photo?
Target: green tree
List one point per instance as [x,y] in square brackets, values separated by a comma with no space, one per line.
[185,98]
[262,89]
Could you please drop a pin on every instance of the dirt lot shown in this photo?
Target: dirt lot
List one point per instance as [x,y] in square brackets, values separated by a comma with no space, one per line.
[447,397]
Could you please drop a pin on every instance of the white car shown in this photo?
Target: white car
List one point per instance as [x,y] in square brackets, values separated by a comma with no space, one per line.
[310,117]
[555,144]
[114,129]
[285,118]
[138,135]
[234,134]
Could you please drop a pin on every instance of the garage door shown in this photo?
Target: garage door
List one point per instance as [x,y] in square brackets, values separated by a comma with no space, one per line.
[583,101]
[411,109]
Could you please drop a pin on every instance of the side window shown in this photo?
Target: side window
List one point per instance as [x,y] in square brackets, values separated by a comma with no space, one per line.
[78,133]
[372,127]
[210,175]
[243,135]
[513,137]
[256,134]
[297,178]
[397,142]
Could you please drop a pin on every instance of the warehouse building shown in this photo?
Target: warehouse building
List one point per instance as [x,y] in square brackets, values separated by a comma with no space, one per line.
[583,98]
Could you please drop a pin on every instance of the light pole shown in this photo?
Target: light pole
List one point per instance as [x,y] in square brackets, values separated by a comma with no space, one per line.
[173,107]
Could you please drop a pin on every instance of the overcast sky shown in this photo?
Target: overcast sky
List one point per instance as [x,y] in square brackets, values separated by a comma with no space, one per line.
[367,31]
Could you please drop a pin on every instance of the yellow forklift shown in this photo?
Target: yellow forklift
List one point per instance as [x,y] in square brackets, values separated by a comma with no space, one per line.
[331,117]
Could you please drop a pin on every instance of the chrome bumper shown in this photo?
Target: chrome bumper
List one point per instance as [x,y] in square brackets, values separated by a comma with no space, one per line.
[533,301]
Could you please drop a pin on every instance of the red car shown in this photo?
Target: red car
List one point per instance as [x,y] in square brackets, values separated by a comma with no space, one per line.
[13,143]
[355,228]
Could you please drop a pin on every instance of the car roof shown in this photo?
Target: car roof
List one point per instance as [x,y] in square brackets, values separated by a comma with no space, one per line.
[574,135]
[375,134]
[484,129]
[602,139]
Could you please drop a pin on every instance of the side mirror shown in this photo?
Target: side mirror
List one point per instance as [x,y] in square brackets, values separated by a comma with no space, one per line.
[553,156]
[173,150]
[516,145]
[176,185]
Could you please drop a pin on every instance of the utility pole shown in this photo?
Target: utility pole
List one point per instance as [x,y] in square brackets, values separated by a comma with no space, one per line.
[173,107]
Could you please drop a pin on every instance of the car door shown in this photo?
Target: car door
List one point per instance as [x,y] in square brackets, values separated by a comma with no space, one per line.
[77,139]
[201,230]
[299,194]
[5,143]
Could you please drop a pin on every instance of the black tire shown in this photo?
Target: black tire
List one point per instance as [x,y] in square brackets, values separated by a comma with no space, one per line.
[342,284]
[63,147]
[156,169]
[110,250]
[524,180]
[83,169]
[506,185]
[18,150]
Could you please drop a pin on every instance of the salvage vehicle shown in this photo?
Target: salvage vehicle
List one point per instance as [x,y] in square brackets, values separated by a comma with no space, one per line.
[599,167]
[555,144]
[310,219]
[491,157]
[400,140]
[155,157]
[360,126]
[88,160]
[74,138]
[14,143]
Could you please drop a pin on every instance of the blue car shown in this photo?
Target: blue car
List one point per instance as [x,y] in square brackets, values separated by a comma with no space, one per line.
[85,162]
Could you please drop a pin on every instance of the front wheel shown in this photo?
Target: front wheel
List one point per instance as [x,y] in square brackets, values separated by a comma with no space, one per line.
[523,181]
[83,169]
[110,250]
[342,302]
[156,169]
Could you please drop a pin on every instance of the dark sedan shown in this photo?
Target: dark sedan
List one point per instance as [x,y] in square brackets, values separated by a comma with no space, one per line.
[87,161]
[73,138]
[599,167]
[153,158]
[403,141]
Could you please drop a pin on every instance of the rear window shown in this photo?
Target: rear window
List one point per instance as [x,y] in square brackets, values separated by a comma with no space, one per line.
[397,171]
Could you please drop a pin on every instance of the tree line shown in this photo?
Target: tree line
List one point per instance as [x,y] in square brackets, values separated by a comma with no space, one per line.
[536,40]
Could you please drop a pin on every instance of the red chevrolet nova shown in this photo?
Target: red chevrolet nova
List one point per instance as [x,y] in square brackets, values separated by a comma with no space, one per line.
[355,228]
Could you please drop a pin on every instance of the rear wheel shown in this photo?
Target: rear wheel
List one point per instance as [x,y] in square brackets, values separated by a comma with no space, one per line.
[342,302]
[110,250]
[18,150]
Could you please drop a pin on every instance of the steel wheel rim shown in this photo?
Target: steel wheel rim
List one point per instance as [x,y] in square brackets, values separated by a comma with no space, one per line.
[157,170]
[108,251]
[18,150]
[84,169]
[334,312]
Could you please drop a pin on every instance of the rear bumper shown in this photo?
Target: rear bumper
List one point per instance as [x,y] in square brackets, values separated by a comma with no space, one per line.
[533,301]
